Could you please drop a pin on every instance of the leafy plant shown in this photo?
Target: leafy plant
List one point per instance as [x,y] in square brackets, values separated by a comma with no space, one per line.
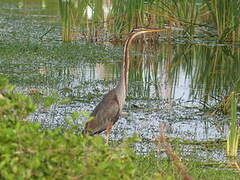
[13,106]
[26,151]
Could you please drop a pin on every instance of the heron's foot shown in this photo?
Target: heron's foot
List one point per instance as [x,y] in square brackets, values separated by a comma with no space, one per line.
[108,130]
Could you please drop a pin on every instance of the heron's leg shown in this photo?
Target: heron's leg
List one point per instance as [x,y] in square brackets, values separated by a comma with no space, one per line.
[108,130]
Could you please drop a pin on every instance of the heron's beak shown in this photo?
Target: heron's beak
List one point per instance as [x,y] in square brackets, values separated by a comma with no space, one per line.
[153,30]
[144,30]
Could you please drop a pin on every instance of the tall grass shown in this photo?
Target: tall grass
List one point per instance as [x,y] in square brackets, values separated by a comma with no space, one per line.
[195,17]
[234,130]
[81,18]
[127,15]
[225,16]
[65,12]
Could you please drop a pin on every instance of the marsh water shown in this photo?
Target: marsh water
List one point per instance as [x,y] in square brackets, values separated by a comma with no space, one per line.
[172,79]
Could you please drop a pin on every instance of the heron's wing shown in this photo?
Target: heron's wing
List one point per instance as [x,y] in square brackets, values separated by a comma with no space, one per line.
[106,111]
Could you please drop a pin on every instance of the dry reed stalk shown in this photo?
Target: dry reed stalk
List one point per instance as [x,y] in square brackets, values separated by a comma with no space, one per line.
[235,165]
[180,166]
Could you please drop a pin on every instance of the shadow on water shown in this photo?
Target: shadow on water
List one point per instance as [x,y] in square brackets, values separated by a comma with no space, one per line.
[171,77]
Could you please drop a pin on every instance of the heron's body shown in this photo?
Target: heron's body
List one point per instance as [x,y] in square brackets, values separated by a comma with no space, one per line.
[109,109]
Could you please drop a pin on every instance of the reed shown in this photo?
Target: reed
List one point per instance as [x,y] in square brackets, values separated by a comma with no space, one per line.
[65,12]
[211,18]
[234,130]
[225,15]
[127,15]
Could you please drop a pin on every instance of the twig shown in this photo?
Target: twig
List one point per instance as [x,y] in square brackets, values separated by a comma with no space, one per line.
[181,168]
[41,37]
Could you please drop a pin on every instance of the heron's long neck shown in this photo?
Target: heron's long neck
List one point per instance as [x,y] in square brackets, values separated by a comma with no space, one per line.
[122,87]
[123,83]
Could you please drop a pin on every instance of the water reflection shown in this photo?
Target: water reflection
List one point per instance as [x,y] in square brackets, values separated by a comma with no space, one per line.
[188,71]
[172,71]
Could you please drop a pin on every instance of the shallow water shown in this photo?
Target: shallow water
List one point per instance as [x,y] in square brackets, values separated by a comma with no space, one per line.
[168,80]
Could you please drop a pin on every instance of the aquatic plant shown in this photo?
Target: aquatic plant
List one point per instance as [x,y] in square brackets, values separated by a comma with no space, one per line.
[128,14]
[211,19]
[224,15]
[65,12]
[234,129]
[80,14]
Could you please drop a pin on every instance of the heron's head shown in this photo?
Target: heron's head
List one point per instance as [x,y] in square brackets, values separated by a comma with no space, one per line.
[138,31]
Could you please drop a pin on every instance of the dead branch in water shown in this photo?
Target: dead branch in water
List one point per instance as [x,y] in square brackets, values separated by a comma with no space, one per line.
[180,166]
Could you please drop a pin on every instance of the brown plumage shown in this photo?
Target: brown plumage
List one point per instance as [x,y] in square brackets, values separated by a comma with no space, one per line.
[107,112]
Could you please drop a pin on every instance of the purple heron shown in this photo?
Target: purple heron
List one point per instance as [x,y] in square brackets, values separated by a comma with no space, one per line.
[107,112]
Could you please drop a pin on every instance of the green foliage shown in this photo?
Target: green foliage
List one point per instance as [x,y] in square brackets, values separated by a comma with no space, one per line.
[49,100]
[26,152]
[13,105]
